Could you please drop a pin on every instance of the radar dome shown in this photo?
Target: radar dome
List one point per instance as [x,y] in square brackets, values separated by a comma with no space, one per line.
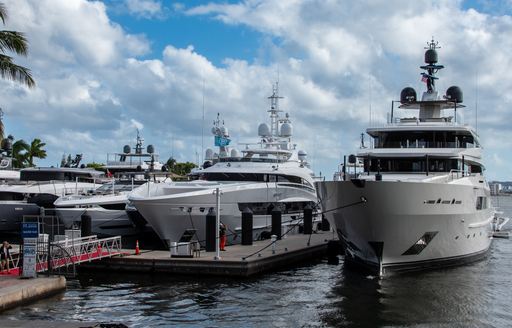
[235,153]
[430,56]
[224,131]
[151,149]
[407,95]
[286,130]
[127,149]
[302,155]
[454,93]
[214,130]
[352,159]
[264,130]
[209,154]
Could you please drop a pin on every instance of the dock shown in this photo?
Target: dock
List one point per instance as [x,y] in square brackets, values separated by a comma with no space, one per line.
[236,261]
[15,291]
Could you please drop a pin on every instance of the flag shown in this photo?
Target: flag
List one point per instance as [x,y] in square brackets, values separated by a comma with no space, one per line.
[424,78]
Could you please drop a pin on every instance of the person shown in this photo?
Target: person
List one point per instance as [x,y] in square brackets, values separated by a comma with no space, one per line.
[222,236]
[5,255]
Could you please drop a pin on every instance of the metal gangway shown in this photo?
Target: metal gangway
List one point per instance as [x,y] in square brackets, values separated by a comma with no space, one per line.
[62,257]
[71,252]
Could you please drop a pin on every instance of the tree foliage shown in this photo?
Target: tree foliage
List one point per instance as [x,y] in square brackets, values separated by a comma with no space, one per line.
[15,42]
[180,168]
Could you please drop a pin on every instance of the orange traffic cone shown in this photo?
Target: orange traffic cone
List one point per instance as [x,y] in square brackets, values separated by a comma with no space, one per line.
[137,250]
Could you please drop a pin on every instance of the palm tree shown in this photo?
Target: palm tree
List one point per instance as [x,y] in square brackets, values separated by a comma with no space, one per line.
[19,153]
[35,150]
[14,42]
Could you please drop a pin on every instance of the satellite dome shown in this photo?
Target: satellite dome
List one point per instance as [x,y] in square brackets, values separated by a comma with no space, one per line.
[286,130]
[151,149]
[235,153]
[454,93]
[302,155]
[209,154]
[430,56]
[264,130]
[408,95]
[127,149]
[224,131]
[214,130]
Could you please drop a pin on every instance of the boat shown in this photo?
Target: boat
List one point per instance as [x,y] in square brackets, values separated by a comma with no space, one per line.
[143,159]
[37,189]
[270,174]
[107,205]
[422,200]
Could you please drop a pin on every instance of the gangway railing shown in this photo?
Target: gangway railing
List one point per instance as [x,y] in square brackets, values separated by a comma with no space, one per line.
[70,252]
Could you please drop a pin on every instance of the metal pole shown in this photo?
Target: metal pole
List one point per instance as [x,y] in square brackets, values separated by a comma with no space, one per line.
[76,186]
[217,225]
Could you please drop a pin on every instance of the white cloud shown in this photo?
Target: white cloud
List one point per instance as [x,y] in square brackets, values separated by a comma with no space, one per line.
[145,8]
[335,59]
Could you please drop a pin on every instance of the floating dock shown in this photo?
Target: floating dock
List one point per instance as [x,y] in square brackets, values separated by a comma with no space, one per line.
[236,261]
[15,291]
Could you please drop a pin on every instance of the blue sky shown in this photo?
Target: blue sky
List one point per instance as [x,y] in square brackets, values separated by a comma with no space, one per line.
[104,69]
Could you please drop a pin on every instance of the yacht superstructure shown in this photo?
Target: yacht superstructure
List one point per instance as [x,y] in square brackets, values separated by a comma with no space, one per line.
[270,174]
[422,199]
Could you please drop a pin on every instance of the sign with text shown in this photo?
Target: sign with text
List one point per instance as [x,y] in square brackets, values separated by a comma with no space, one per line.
[29,230]
[30,233]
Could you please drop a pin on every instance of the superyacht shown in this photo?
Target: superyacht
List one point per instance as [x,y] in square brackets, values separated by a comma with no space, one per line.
[422,199]
[270,174]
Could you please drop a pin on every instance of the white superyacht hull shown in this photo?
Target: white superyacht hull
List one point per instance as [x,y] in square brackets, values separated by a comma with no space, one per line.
[171,215]
[409,225]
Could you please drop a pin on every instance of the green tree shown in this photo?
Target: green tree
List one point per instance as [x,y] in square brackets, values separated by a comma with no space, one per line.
[19,153]
[179,168]
[96,166]
[35,150]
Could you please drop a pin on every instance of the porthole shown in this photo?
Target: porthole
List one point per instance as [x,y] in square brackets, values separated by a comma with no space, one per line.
[467,236]
[473,235]
[456,237]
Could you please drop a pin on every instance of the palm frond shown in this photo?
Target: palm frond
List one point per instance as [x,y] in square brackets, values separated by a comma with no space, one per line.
[14,72]
[3,13]
[13,41]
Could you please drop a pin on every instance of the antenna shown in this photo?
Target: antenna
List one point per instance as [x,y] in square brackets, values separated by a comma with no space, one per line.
[274,109]
[370,99]
[202,130]
[476,103]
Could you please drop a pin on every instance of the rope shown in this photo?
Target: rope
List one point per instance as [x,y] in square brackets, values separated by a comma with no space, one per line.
[363,200]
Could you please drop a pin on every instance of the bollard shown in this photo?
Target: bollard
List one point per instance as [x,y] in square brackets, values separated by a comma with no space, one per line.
[247,226]
[86,225]
[308,220]
[326,226]
[333,249]
[276,223]
[211,230]
[273,238]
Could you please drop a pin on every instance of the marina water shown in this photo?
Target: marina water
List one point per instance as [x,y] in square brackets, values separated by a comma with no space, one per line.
[314,295]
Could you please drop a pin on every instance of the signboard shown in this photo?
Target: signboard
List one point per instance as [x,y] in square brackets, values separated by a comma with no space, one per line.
[221,141]
[30,233]
[29,230]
